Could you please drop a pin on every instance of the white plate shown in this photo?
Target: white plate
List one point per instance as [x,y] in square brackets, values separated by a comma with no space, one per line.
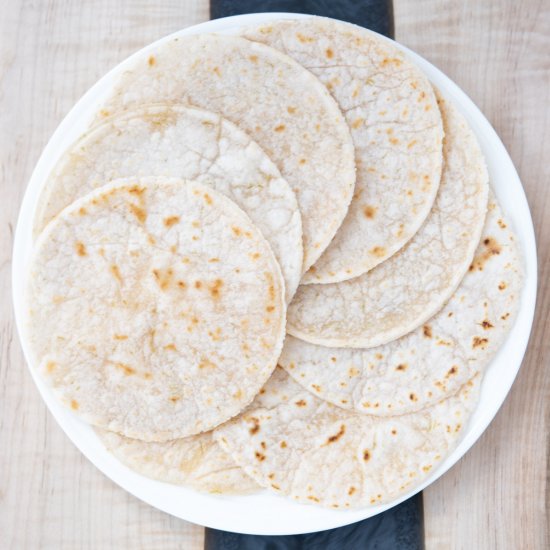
[265,513]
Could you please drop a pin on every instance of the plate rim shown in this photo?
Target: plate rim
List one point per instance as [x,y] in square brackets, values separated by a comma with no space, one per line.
[237,513]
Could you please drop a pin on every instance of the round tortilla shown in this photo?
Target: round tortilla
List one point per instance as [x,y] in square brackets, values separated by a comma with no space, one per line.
[396,128]
[156,308]
[295,444]
[436,359]
[164,140]
[410,287]
[281,105]
[196,461]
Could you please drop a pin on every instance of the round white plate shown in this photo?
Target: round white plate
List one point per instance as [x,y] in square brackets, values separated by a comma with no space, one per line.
[265,513]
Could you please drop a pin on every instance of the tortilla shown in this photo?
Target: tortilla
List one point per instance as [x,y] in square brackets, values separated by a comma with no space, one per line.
[164,140]
[436,359]
[196,461]
[393,117]
[406,290]
[281,105]
[295,444]
[156,308]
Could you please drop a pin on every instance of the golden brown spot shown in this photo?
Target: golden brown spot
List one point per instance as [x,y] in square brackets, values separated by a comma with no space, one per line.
[151,61]
[163,277]
[206,364]
[120,337]
[174,398]
[214,288]
[104,113]
[329,53]
[256,426]
[170,347]
[394,141]
[452,370]
[181,284]
[366,455]
[280,128]
[291,110]
[217,71]
[255,255]
[301,403]
[270,309]
[263,445]
[302,161]
[80,249]
[336,436]
[253,58]
[394,432]
[333,359]
[401,367]
[151,239]
[427,331]
[207,198]
[271,476]
[492,248]
[138,212]
[378,251]
[213,260]
[237,231]
[502,285]
[413,397]
[303,39]
[411,144]
[357,123]
[486,324]
[238,394]
[478,342]
[74,404]
[198,284]
[427,468]
[316,388]
[259,456]
[313,498]
[171,220]
[116,273]
[136,190]
[351,490]
[505,316]
[50,367]
[82,211]
[501,224]
[369,211]
[283,445]
[126,369]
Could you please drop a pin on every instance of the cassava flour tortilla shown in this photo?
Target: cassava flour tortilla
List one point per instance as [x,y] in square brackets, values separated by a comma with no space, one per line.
[295,444]
[410,287]
[172,140]
[281,105]
[436,359]
[156,308]
[196,461]
[392,113]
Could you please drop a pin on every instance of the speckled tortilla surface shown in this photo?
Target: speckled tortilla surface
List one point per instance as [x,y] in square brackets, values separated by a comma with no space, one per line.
[395,124]
[295,444]
[196,461]
[156,308]
[403,292]
[281,105]
[177,141]
[437,358]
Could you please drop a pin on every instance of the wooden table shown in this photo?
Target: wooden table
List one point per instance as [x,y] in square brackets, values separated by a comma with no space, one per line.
[51,52]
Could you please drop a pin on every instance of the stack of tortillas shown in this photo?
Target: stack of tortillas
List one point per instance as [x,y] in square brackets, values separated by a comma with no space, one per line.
[305,178]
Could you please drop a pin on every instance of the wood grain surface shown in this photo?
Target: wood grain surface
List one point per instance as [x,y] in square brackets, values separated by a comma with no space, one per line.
[51,52]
